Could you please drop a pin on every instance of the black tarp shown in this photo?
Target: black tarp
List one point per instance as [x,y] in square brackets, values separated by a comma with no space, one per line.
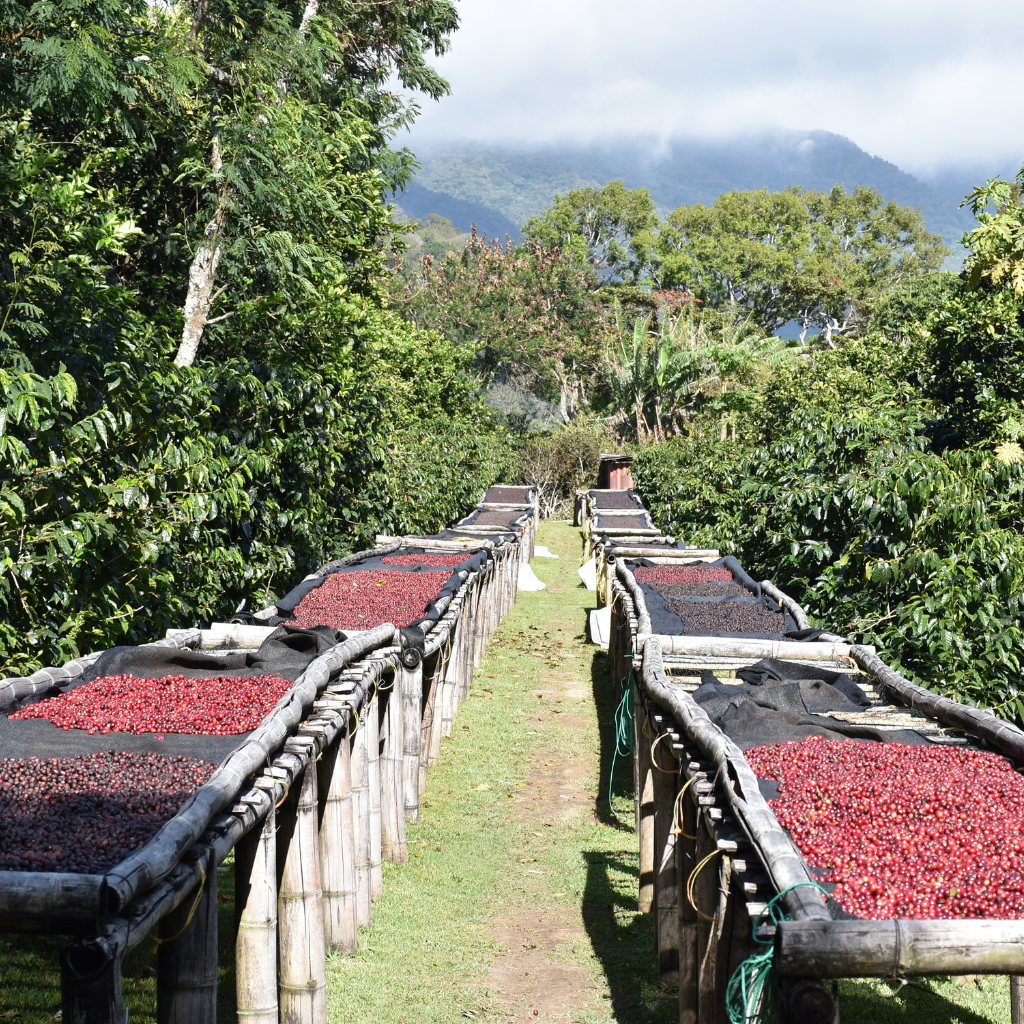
[777,702]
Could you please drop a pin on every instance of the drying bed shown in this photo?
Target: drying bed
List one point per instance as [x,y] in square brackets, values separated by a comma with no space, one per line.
[221,706]
[363,598]
[616,500]
[85,814]
[897,828]
[508,495]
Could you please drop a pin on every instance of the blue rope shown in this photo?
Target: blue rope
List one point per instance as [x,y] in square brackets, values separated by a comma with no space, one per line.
[750,994]
[624,738]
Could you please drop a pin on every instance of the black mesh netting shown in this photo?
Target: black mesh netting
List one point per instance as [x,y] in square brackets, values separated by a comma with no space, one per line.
[285,653]
[614,500]
[508,495]
[776,701]
[622,523]
[494,517]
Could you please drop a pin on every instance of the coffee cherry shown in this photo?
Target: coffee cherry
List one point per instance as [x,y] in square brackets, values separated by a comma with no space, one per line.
[365,598]
[914,832]
[223,706]
[85,814]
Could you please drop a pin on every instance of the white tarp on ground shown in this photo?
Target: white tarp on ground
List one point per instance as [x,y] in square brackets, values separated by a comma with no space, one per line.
[539,551]
[601,625]
[528,578]
[588,573]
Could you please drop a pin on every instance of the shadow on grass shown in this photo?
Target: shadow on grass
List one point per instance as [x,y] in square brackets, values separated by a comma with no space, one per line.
[607,695]
[863,1003]
[623,941]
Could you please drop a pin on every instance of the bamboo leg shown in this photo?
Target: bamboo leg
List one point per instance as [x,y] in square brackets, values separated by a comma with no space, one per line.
[1016,999]
[432,671]
[666,877]
[300,908]
[392,792]
[373,774]
[452,680]
[337,846]
[646,818]
[470,608]
[361,803]
[686,861]
[412,729]
[479,630]
[256,918]
[90,982]
[186,961]
[711,896]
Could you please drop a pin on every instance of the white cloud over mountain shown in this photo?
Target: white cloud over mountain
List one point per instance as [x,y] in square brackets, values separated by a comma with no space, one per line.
[924,84]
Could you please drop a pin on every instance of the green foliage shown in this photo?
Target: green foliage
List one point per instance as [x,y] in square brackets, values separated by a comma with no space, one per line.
[523,312]
[135,496]
[561,462]
[660,376]
[609,228]
[846,490]
[814,257]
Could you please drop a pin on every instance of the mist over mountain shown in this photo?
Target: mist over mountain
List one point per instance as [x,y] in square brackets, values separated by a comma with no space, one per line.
[499,187]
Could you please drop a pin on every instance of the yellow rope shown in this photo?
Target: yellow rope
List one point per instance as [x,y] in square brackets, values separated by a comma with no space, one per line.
[654,760]
[191,913]
[677,811]
[692,880]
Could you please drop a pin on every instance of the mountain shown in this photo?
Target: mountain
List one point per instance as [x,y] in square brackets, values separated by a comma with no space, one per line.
[417,201]
[499,186]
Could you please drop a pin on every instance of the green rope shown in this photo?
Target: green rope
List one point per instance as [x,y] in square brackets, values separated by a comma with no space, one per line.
[623,735]
[750,994]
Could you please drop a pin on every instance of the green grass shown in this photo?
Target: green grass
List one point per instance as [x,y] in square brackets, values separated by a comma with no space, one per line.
[427,958]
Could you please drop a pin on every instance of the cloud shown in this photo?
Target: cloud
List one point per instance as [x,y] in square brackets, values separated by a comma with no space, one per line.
[923,84]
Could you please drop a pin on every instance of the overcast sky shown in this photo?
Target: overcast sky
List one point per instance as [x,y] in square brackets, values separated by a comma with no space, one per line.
[923,84]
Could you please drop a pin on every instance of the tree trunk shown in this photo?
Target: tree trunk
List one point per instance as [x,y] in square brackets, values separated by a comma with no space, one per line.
[202,274]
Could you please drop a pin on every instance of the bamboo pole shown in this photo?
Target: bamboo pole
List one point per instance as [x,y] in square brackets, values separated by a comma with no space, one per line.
[256,916]
[373,745]
[1016,999]
[666,877]
[862,949]
[392,794]
[452,677]
[361,803]
[338,846]
[186,962]
[686,861]
[300,908]
[412,728]
[432,676]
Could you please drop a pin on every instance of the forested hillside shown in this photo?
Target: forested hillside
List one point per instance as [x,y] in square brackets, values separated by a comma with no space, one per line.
[517,183]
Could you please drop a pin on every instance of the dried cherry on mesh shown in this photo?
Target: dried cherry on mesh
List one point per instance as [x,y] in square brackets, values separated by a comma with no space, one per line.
[85,814]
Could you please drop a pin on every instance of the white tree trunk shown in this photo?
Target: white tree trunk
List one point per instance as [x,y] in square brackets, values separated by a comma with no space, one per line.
[201,275]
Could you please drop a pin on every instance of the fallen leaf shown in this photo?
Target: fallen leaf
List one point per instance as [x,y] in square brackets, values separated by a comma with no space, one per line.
[527,860]
[483,786]
[418,853]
